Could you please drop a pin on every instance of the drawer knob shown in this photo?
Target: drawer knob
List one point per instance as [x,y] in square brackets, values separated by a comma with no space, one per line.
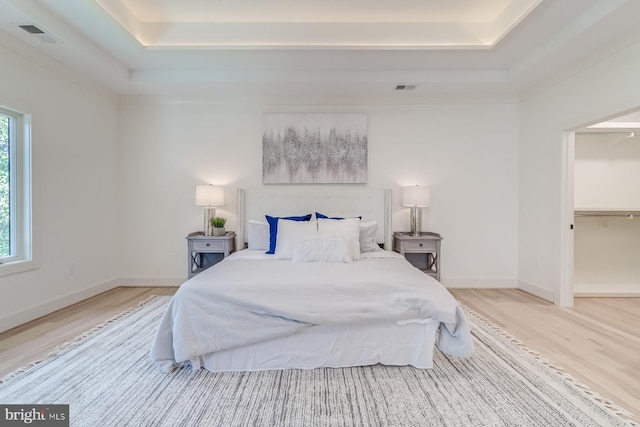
[420,244]
[209,244]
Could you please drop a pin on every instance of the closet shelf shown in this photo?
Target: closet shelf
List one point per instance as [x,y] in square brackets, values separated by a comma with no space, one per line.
[616,213]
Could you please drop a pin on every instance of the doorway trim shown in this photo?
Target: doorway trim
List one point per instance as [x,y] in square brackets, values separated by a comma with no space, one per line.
[564,296]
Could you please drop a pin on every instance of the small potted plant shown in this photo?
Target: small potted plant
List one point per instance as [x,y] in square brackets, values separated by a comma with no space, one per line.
[218,226]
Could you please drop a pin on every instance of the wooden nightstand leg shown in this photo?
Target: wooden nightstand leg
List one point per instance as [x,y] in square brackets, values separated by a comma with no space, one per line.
[432,260]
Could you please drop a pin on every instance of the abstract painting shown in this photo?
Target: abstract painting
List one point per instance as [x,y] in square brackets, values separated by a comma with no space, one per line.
[314,148]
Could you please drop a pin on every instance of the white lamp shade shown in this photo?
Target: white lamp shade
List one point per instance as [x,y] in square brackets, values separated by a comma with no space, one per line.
[416,195]
[209,195]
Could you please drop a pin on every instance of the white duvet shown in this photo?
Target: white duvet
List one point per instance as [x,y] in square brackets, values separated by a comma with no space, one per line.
[250,297]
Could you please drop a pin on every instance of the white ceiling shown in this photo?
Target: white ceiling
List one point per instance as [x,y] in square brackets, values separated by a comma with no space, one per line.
[319,24]
[297,48]
[312,11]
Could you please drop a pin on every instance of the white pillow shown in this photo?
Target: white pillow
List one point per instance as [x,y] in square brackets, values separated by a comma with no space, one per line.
[258,235]
[368,235]
[290,234]
[349,228]
[318,248]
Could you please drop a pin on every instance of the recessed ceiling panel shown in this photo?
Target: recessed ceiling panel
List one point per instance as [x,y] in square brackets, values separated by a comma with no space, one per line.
[330,24]
[315,11]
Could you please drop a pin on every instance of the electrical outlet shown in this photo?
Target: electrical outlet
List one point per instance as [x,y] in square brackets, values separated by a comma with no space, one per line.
[72,268]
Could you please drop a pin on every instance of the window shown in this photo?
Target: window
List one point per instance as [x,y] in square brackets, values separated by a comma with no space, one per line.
[15,192]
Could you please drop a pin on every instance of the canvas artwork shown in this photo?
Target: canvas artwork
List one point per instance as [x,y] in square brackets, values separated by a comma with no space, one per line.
[314,148]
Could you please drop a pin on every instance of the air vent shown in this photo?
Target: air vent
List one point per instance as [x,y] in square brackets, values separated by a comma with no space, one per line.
[40,34]
[32,29]
[405,87]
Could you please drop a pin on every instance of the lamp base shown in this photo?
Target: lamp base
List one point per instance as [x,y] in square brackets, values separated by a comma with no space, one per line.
[209,214]
[416,217]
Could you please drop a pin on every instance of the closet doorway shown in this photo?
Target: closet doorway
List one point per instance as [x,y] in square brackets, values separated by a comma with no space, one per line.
[606,208]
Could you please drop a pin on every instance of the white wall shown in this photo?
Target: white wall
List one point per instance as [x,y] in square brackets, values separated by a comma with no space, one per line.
[607,88]
[607,171]
[607,249]
[75,162]
[467,153]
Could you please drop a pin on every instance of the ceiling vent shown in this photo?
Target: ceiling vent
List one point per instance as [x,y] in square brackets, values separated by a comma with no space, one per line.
[405,87]
[32,29]
[39,33]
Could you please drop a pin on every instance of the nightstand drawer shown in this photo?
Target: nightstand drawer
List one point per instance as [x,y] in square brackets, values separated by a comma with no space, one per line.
[212,245]
[419,246]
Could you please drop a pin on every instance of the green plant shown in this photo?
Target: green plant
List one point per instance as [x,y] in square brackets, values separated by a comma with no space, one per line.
[218,222]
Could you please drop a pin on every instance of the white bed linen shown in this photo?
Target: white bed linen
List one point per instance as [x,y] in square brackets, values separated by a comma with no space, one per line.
[332,346]
[250,297]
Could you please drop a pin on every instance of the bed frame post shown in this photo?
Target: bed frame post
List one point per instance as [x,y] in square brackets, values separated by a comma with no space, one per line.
[242,221]
[388,234]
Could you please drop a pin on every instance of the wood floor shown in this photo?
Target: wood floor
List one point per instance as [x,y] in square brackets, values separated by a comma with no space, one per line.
[597,341]
[35,340]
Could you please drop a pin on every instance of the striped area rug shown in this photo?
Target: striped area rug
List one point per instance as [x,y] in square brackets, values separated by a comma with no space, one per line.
[108,380]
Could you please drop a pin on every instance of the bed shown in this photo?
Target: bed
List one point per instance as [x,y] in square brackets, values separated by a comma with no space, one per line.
[316,298]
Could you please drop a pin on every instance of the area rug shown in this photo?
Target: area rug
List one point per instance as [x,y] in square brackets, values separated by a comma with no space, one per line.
[108,380]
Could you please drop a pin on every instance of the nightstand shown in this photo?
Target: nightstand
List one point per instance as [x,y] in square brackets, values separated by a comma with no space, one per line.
[202,250]
[422,251]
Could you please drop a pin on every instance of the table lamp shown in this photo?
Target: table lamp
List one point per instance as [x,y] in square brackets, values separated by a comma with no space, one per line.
[416,197]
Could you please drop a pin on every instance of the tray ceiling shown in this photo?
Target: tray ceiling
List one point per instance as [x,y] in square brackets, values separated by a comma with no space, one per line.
[336,50]
[331,23]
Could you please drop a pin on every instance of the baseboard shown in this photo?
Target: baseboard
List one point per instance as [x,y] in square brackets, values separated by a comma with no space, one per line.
[36,311]
[480,283]
[151,281]
[607,290]
[32,313]
[545,294]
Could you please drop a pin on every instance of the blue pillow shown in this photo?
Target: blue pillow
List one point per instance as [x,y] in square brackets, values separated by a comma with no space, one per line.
[273,228]
[323,216]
